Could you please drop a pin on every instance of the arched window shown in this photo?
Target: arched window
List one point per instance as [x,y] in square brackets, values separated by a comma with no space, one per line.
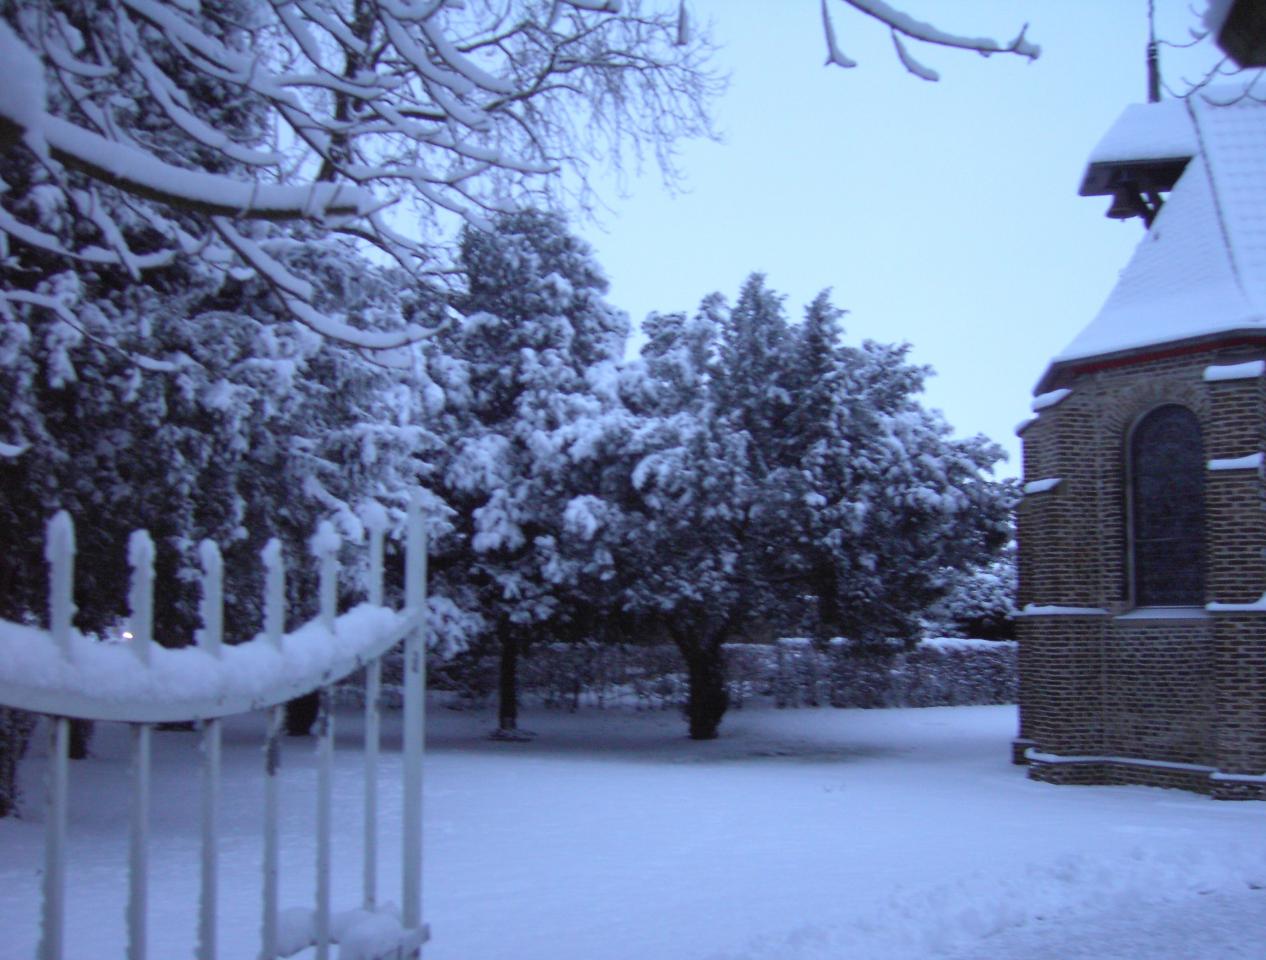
[1166,471]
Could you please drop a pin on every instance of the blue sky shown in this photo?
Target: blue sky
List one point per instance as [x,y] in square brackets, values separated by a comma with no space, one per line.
[943,214]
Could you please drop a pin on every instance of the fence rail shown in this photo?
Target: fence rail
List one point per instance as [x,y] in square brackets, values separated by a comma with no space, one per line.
[62,674]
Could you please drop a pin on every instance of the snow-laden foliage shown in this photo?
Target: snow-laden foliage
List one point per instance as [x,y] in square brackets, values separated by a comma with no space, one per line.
[190,405]
[776,466]
[534,422]
[980,603]
[16,727]
[201,120]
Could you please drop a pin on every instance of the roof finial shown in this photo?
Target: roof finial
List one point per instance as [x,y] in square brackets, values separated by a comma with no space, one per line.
[1153,56]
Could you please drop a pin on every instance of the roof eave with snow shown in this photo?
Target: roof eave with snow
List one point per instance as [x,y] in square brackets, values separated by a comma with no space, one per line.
[1063,370]
[1198,276]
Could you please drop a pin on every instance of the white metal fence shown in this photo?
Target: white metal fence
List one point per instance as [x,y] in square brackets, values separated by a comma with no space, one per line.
[62,674]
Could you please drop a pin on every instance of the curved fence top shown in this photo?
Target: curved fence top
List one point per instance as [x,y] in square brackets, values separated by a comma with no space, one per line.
[107,681]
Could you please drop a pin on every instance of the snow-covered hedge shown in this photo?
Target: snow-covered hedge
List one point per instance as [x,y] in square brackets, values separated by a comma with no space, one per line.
[790,673]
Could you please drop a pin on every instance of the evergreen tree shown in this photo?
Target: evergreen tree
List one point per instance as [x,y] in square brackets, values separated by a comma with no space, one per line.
[691,550]
[773,462]
[534,357]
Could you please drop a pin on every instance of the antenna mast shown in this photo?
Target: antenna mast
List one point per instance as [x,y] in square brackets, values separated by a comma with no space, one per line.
[1153,56]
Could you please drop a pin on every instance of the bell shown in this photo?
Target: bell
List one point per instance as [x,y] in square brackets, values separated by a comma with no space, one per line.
[1126,203]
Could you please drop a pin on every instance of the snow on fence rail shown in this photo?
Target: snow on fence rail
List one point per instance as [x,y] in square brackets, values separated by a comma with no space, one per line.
[61,673]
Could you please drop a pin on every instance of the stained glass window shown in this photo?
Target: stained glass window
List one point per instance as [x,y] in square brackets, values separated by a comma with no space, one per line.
[1167,508]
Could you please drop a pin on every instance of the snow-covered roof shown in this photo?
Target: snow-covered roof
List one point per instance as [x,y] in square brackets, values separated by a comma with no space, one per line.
[1200,270]
[1147,131]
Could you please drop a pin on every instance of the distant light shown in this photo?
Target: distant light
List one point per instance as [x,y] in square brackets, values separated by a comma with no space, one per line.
[127,634]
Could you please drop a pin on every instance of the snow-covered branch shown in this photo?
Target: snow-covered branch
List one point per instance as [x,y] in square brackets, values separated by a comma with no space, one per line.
[178,119]
[901,24]
[137,172]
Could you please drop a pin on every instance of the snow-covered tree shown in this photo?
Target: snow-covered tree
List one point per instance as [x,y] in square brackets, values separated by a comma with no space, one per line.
[980,602]
[239,425]
[530,384]
[192,406]
[888,499]
[776,463]
[204,119]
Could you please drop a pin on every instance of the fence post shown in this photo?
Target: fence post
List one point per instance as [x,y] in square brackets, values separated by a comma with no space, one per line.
[53,922]
[274,624]
[325,546]
[210,639]
[59,551]
[211,608]
[414,712]
[140,555]
[140,595]
[325,543]
[138,851]
[274,591]
[375,519]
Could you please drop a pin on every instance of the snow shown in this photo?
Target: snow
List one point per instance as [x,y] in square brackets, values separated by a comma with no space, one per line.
[1215,14]
[811,834]
[143,173]
[107,679]
[22,93]
[1257,605]
[1251,462]
[1129,761]
[1238,777]
[1148,131]
[1179,283]
[325,541]
[1044,401]
[1200,270]
[360,934]
[1042,486]
[374,516]
[1234,371]
[964,643]
[1164,613]
[1052,610]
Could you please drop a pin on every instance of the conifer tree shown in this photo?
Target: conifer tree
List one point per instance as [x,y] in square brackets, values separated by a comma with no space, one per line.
[532,359]
[774,463]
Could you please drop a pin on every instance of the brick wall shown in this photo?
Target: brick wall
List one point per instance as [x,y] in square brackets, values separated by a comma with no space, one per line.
[1188,691]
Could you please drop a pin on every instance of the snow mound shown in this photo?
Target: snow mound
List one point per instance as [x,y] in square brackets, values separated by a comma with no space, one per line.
[360,934]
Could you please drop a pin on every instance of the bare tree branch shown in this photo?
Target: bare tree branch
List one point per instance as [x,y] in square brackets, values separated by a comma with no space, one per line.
[902,24]
[335,109]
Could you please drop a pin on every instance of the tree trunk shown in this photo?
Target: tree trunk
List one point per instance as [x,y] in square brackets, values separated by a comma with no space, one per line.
[707,699]
[16,727]
[508,687]
[301,714]
[80,737]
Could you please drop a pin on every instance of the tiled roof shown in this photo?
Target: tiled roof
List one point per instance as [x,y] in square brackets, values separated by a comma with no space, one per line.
[1200,270]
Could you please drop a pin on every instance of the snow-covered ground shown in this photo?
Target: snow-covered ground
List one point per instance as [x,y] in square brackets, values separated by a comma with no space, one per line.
[799,835]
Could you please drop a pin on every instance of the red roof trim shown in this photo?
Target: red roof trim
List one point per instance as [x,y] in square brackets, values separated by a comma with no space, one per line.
[1072,368]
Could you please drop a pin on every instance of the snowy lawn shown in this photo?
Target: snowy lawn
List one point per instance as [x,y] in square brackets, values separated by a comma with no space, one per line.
[799,835]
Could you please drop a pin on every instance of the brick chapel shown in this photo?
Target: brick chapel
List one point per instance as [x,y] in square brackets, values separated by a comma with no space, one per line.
[1142,531]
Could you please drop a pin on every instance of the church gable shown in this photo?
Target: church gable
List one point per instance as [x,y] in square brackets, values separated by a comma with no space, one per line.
[1141,533]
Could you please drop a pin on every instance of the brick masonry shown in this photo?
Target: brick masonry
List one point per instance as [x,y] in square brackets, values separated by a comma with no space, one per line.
[1174,699]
